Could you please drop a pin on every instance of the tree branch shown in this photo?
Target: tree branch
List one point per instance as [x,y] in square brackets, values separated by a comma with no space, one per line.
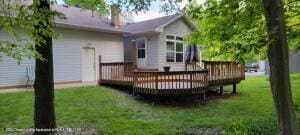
[289,3]
[294,25]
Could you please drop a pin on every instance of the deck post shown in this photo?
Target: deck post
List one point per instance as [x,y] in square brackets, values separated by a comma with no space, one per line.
[203,96]
[191,80]
[134,83]
[156,81]
[221,91]
[100,70]
[234,88]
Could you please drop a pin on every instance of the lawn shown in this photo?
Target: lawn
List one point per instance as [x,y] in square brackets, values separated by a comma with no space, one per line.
[110,111]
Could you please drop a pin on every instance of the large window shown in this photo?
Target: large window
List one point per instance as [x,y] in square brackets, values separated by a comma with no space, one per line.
[174,48]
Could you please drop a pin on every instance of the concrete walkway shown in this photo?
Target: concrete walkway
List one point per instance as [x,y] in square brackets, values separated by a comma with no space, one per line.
[59,86]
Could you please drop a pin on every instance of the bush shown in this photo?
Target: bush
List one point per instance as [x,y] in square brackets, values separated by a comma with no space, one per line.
[253,127]
[297,108]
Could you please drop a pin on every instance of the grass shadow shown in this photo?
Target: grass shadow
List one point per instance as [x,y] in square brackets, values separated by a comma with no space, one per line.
[183,100]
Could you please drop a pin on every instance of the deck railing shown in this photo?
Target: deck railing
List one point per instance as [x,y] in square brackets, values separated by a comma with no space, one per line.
[191,66]
[116,72]
[224,72]
[173,82]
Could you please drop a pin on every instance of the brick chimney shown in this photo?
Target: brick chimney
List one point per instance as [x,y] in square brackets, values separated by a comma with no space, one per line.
[115,15]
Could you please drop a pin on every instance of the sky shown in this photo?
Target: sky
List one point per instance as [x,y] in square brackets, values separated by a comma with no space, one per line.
[153,10]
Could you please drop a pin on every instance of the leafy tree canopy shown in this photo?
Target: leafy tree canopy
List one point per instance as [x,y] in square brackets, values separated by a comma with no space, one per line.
[236,30]
[18,20]
[94,5]
[102,6]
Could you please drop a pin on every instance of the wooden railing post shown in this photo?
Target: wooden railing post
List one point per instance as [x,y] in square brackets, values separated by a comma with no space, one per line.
[156,81]
[191,80]
[100,70]
[135,83]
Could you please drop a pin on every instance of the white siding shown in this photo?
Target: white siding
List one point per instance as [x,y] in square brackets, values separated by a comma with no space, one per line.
[10,72]
[152,52]
[179,28]
[67,50]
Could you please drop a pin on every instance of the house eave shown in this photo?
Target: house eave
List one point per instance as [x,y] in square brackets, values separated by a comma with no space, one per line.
[142,33]
[81,27]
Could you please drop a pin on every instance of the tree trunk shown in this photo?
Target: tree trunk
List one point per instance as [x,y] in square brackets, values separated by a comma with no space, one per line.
[44,113]
[279,67]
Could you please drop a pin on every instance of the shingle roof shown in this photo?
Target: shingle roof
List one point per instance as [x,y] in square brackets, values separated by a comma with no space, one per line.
[83,18]
[78,17]
[148,25]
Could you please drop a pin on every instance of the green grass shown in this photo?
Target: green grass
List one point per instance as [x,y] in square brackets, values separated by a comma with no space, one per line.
[114,112]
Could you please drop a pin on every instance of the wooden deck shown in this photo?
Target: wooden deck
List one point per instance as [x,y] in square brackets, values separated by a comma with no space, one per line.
[194,81]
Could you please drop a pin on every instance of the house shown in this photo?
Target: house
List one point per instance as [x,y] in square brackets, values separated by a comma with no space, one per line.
[83,37]
[294,61]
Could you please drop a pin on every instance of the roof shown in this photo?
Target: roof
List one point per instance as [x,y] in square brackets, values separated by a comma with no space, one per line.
[84,19]
[148,25]
[155,25]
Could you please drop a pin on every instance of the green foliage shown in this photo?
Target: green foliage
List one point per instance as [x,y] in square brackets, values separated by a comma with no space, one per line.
[102,6]
[236,30]
[257,127]
[94,5]
[253,127]
[19,21]
[292,16]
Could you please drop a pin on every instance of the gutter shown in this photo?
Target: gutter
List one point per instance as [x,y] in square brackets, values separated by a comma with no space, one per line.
[84,27]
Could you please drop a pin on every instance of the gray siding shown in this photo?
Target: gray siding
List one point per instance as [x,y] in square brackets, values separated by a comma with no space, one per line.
[67,56]
[180,28]
[294,60]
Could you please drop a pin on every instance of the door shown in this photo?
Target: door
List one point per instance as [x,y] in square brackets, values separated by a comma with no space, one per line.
[88,65]
[141,52]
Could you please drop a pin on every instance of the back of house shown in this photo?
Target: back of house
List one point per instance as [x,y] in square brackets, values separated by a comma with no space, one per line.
[83,37]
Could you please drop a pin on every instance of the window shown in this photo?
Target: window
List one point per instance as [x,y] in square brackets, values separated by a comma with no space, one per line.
[174,46]
[141,48]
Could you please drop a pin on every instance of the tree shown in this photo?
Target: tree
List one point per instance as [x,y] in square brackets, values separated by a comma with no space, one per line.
[94,5]
[279,66]
[35,23]
[238,29]
[44,113]
[42,34]
[15,16]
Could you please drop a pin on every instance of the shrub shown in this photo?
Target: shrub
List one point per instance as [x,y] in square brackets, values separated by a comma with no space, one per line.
[253,127]
[297,108]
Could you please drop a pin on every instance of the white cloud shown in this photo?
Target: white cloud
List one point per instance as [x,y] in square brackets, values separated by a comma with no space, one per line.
[141,16]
